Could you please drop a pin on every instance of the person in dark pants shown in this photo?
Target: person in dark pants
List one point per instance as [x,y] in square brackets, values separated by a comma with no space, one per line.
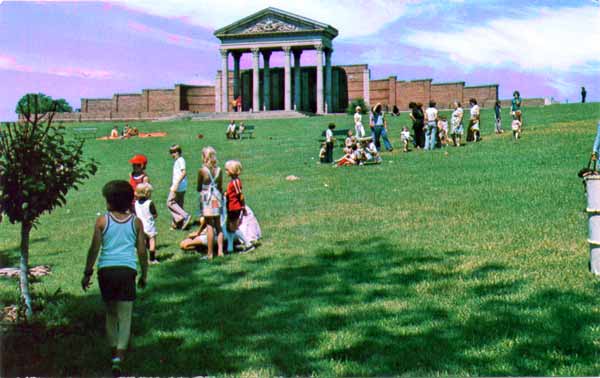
[329,143]
[583,94]
[418,119]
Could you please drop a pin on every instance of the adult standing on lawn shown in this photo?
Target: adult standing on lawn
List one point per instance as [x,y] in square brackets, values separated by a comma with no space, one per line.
[431,130]
[378,125]
[583,94]
[417,117]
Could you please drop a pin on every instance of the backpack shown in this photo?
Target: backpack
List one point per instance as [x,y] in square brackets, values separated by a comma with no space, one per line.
[212,199]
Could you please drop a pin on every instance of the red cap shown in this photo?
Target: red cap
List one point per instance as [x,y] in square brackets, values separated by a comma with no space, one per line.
[139,159]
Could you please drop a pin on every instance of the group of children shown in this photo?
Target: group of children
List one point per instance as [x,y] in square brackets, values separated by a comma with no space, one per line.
[357,151]
[124,234]
[127,132]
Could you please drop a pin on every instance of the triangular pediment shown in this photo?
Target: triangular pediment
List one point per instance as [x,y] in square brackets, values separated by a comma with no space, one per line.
[274,21]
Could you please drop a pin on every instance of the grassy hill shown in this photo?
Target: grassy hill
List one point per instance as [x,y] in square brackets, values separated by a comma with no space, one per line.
[470,262]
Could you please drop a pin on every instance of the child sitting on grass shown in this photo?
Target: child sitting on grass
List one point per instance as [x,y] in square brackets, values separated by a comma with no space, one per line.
[406,138]
[372,153]
[350,140]
[323,152]
[347,159]
[118,237]
[443,130]
[516,125]
[146,211]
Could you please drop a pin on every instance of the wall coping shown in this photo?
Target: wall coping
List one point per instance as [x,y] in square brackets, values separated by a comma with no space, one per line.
[482,86]
[450,83]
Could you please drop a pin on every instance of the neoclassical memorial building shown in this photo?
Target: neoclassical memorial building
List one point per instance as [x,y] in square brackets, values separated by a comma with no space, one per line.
[317,87]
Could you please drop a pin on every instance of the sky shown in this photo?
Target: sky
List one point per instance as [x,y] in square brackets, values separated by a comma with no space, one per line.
[75,49]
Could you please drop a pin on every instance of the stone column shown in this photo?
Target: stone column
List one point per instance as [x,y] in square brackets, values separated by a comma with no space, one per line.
[367,86]
[266,80]
[224,81]
[255,79]
[236,73]
[218,106]
[287,98]
[319,64]
[328,80]
[297,82]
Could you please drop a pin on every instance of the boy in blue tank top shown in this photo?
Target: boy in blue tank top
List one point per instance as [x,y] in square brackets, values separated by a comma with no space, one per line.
[120,241]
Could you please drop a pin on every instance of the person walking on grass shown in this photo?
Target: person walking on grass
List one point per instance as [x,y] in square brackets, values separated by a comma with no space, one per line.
[583,94]
[118,237]
[379,127]
[175,200]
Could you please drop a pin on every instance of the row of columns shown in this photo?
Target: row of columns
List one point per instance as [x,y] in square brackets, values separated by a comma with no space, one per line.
[324,89]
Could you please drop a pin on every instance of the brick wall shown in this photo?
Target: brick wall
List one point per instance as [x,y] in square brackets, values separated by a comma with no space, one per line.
[416,90]
[160,100]
[95,105]
[127,103]
[198,98]
[486,95]
[379,91]
[445,94]
[355,76]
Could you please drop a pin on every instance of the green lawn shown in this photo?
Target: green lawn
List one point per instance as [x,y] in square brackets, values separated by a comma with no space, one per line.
[472,262]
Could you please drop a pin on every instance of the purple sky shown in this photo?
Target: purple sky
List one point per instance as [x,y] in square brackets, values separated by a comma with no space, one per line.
[94,49]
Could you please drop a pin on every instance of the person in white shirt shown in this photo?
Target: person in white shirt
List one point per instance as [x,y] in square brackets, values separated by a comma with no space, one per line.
[406,138]
[181,219]
[358,126]
[231,134]
[146,212]
[431,117]
[516,125]
[457,124]
[474,122]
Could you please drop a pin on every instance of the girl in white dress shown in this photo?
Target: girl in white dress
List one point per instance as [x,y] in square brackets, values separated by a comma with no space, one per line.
[358,126]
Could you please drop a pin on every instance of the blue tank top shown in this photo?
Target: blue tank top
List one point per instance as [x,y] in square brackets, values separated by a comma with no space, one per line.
[118,243]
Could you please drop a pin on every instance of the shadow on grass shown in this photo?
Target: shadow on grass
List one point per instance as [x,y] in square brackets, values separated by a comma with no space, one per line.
[373,307]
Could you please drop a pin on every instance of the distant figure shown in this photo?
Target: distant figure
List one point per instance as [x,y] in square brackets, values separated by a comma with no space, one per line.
[431,115]
[329,143]
[231,129]
[395,111]
[418,118]
[358,126]
[497,112]
[515,103]
[114,134]
[238,103]
[583,94]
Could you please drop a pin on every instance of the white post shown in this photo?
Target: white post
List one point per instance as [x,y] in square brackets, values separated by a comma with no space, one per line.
[287,66]
[255,79]
[319,64]
[224,81]
[366,86]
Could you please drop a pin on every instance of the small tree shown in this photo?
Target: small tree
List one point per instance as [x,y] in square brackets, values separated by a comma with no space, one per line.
[357,102]
[43,103]
[37,169]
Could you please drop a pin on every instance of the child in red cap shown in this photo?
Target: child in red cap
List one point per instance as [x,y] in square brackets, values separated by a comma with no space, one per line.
[138,176]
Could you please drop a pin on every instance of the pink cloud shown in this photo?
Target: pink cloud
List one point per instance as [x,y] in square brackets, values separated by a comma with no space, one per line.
[81,72]
[170,38]
[10,63]
[138,27]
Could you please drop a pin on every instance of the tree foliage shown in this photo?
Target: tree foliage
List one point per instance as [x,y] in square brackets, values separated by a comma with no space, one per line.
[38,166]
[39,103]
[357,102]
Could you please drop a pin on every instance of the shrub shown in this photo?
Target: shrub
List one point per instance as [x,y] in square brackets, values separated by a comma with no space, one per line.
[357,102]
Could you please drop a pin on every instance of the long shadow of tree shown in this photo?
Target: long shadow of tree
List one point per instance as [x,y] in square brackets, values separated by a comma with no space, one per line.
[360,308]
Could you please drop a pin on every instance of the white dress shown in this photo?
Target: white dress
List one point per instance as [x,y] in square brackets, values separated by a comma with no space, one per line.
[358,126]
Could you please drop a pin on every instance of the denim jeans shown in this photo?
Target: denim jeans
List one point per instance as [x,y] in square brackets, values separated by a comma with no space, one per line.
[380,131]
[430,136]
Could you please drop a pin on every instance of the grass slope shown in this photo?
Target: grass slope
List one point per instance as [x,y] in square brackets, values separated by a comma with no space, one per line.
[470,263]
